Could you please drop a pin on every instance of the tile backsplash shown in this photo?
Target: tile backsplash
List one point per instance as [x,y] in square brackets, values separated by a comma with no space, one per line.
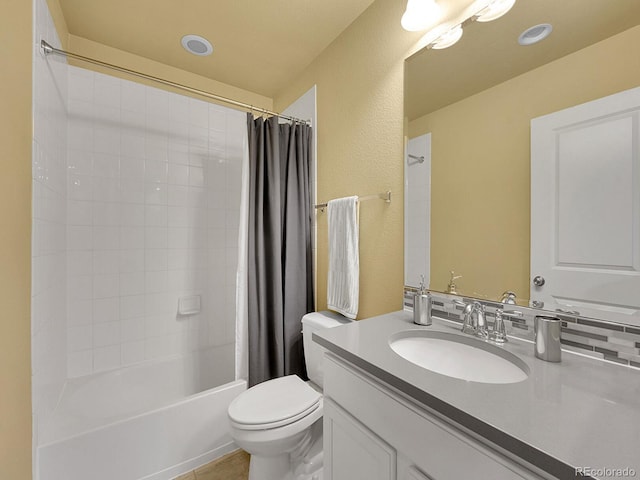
[608,341]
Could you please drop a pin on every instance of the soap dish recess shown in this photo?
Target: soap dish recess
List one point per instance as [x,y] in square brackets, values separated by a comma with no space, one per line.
[189,305]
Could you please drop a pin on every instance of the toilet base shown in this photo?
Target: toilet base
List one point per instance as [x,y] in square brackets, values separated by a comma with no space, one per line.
[280,468]
[270,468]
[304,463]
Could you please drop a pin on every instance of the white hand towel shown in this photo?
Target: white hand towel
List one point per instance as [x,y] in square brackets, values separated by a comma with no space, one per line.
[343,285]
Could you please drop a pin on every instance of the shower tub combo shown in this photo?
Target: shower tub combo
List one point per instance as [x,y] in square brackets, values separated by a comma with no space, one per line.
[136,209]
[141,422]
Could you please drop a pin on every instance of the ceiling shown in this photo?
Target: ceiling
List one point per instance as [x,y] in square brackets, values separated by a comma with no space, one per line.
[489,53]
[258,45]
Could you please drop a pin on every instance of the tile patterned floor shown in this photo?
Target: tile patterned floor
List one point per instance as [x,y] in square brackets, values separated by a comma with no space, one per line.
[233,466]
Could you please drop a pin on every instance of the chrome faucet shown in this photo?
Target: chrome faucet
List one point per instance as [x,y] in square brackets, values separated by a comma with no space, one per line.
[474,320]
[509,298]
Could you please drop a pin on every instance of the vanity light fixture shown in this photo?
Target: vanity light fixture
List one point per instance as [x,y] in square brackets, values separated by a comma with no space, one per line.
[448,38]
[197,45]
[420,15]
[494,10]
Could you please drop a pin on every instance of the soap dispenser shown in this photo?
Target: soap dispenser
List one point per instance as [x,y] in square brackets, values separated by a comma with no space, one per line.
[452,288]
[422,305]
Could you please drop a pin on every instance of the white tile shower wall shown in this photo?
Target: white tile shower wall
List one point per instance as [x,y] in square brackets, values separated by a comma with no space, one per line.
[48,292]
[153,205]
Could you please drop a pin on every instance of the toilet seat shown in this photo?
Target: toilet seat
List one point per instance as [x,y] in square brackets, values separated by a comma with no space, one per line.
[274,403]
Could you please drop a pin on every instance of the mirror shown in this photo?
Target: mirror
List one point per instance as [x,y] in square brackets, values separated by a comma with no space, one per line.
[476,99]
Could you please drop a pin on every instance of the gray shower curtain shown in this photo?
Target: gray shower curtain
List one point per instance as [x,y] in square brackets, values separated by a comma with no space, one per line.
[280,278]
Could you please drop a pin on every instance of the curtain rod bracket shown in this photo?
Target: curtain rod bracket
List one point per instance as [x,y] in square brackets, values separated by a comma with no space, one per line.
[46,48]
[419,159]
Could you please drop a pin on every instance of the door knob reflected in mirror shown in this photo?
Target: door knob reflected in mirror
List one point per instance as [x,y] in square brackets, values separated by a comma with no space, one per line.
[538,281]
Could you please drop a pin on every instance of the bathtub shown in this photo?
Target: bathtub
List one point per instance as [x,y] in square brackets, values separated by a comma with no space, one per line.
[141,422]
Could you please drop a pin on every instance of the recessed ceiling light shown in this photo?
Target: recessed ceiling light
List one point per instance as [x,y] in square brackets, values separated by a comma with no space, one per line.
[535,34]
[197,45]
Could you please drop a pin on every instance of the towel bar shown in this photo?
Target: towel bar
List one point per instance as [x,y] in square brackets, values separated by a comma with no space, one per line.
[386,196]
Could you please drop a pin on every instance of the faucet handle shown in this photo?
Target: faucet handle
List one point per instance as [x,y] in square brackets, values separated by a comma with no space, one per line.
[508,297]
[498,334]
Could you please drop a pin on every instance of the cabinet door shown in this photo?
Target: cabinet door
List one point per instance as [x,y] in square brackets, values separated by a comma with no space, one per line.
[352,451]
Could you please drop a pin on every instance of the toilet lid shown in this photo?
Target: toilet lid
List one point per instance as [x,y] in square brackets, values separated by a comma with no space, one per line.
[274,403]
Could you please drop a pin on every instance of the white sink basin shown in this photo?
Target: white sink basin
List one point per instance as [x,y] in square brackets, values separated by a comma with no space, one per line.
[459,356]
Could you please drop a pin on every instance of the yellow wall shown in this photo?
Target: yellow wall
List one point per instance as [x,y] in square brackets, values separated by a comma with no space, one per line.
[101,52]
[15,240]
[359,80]
[481,170]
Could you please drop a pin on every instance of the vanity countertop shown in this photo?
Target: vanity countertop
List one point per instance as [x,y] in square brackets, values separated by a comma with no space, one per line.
[580,413]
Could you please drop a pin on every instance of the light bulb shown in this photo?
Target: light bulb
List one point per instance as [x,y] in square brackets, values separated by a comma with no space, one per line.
[448,38]
[495,9]
[420,15]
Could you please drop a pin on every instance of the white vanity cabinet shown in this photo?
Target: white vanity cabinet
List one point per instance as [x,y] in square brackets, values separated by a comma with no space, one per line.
[356,452]
[372,432]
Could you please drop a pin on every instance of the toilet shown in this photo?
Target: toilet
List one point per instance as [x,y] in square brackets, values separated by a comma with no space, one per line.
[279,422]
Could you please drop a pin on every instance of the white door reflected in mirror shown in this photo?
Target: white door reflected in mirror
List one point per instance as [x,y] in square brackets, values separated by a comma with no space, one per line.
[585,208]
[417,210]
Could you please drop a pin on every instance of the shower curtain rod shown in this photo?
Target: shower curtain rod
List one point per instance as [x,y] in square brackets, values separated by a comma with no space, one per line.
[48,49]
[386,196]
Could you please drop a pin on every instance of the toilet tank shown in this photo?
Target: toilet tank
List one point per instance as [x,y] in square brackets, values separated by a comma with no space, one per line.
[314,353]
